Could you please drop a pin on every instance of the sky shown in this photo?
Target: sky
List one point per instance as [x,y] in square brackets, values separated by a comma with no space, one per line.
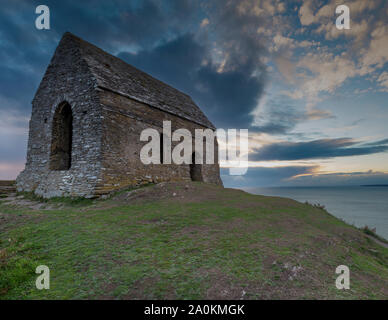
[313,97]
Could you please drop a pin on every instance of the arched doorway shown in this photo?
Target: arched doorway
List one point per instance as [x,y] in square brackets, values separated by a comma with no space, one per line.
[61,138]
[195,170]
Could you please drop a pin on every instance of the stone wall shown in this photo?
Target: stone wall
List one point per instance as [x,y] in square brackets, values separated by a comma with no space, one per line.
[67,78]
[124,120]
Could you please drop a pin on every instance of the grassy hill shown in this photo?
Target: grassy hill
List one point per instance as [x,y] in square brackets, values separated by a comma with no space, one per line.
[183,241]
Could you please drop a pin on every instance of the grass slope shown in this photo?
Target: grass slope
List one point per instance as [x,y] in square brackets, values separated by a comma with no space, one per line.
[184,241]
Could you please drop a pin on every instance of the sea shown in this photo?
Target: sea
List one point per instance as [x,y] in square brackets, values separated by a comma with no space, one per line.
[360,206]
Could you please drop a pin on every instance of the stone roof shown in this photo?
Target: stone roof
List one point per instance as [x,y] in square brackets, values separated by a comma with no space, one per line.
[118,76]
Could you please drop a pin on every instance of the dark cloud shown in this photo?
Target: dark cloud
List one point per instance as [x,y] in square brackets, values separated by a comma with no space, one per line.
[25,51]
[161,33]
[228,90]
[227,98]
[278,117]
[231,96]
[376,143]
[341,179]
[235,92]
[236,34]
[263,176]
[175,62]
[316,149]
[122,22]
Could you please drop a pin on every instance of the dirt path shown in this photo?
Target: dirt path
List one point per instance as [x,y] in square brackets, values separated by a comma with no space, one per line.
[381,243]
[14,199]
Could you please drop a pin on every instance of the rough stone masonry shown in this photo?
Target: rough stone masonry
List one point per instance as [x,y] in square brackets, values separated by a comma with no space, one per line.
[87,116]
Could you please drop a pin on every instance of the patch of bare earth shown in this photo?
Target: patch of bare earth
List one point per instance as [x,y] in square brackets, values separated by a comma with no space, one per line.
[183,192]
[226,287]
[20,201]
[142,289]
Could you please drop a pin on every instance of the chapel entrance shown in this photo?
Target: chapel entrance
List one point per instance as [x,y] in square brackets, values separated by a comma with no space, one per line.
[61,138]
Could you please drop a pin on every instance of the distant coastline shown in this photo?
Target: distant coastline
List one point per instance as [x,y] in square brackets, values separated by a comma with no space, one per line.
[374,185]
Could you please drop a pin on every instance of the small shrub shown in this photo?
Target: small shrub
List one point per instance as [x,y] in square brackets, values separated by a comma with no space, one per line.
[372,232]
[316,205]
[319,206]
